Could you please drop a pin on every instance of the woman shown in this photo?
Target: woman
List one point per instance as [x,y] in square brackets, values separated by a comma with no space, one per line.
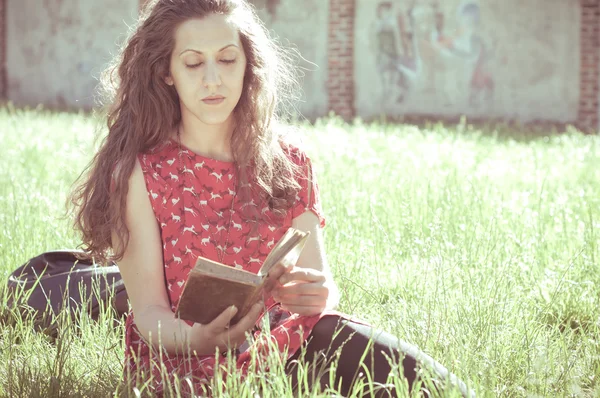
[194,165]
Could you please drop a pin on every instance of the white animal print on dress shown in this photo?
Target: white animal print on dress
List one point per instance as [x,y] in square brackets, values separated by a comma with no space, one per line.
[190,229]
[218,176]
[251,203]
[191,211]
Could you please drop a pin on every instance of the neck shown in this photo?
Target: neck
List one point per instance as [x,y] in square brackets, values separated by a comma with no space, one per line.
[212,141]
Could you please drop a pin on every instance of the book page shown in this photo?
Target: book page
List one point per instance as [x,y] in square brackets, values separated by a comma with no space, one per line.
[209,267]
[286,252]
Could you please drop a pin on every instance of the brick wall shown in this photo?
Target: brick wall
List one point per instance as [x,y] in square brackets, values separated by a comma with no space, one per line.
[340,83]
[3,83]
[590,70]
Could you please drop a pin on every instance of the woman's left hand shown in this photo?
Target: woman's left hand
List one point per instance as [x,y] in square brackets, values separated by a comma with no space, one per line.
[304,291]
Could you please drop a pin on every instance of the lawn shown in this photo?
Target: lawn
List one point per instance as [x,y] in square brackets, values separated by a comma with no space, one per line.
[479,245]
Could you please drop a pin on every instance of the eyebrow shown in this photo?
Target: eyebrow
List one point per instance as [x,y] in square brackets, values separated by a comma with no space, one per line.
[200,52]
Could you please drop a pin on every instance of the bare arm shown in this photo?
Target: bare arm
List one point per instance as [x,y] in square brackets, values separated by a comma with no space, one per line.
[143,274]
[318,290]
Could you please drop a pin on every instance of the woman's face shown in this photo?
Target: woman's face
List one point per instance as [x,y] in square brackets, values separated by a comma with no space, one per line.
[207,68]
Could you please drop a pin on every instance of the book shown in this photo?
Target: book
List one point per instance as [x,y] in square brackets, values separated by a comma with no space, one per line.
[213,287]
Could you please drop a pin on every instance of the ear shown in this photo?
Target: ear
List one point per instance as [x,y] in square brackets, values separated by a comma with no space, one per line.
[169,80]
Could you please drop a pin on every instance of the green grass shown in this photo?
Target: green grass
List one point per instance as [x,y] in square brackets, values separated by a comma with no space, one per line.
[481,246]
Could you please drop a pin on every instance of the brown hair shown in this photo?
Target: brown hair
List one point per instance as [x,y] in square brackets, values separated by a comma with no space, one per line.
[142,111]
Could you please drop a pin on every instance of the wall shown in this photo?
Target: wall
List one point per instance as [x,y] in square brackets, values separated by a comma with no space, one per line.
[57,48]
[2,49]
[303,25]
[538,59]
[509,59]
[589,73]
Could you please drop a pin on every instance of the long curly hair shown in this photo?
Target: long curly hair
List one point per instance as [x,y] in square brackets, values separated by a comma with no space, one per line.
[142,111]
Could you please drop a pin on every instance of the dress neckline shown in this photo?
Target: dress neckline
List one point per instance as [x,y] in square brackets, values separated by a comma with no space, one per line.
[193,155]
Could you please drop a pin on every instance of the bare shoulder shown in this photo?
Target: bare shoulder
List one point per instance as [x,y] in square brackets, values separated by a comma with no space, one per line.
[137,202]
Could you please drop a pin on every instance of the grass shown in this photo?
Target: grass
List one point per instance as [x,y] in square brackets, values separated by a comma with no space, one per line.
[480,245]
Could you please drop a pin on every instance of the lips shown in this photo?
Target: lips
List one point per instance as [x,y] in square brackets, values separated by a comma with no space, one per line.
[213,99]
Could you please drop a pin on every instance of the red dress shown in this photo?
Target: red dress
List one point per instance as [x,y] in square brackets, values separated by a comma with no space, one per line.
[192,199]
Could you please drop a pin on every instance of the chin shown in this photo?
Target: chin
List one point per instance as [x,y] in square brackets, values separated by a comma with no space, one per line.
[214,119]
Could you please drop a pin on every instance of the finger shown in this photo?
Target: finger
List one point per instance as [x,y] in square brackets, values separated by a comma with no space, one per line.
[247,322]
[273,277]
[308,289]
[278,270]
[303,300]
[302,274]
[222,321]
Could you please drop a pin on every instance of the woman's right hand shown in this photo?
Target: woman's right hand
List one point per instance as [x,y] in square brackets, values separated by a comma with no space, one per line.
[219,334]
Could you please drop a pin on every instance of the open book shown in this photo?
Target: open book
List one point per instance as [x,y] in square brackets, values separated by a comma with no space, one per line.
[212,287]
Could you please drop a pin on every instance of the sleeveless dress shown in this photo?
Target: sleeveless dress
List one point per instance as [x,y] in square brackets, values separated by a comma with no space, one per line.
[193,198]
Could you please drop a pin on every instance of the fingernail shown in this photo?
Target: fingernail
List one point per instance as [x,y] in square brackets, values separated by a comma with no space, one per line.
[233,308]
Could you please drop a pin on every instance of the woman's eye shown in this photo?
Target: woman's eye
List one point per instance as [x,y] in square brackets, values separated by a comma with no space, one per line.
[194,65]
[228,61]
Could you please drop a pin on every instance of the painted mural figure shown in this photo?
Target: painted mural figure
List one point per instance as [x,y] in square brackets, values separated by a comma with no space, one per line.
[396,63]
[470,46]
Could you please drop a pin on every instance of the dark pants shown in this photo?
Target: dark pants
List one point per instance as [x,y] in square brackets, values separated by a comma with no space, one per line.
[355,349]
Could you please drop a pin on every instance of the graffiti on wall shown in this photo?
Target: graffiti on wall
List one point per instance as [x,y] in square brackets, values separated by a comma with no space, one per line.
[414,45]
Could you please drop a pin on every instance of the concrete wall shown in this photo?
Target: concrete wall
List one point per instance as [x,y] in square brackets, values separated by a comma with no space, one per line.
[492,58]
[57,48]
[303,25]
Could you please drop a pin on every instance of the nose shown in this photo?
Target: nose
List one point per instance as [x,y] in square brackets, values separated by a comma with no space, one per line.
[212,77]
